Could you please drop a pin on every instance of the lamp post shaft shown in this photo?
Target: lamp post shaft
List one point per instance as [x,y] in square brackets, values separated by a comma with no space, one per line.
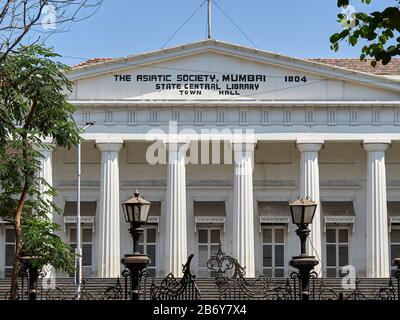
[135,276]
[32,274]
[78,226]
[135,262]
[136,232]
[304,263]
[78,271]
[305,282]
[397,276]
[303,233]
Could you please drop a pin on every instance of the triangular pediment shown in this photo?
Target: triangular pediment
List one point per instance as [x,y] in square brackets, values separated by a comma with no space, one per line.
[212,70]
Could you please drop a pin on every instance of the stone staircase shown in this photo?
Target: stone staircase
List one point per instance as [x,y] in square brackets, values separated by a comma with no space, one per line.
[96,286]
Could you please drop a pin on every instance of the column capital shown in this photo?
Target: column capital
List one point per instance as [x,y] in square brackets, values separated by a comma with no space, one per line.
[48,145]
[110,145]
[48,140]
[309,146]
[370,146]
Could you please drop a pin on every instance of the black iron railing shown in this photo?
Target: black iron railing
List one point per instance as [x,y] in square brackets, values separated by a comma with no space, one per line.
[177,289]
[229,282]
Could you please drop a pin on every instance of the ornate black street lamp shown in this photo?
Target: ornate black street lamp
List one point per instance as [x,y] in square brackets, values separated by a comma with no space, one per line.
[302,211]
[31,272]
[397,276]
[136,211]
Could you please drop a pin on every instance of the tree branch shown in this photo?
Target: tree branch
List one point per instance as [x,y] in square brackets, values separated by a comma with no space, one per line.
[29,117]
[4,10]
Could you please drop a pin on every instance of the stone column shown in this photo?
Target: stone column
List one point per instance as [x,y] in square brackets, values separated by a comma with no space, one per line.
[108,220]
[377,227]
[309,186]
[243,215]
[175,217]
[46,173]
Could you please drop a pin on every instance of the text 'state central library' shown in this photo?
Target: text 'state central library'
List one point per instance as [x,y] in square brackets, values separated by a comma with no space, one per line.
[220,138]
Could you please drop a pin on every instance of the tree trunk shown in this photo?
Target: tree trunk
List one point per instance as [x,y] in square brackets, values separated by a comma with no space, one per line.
[24,194]
[18,243]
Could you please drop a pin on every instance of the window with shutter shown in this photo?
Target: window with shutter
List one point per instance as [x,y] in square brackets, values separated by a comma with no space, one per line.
[9,251]
[208,242]
[337,250]
[273,251]
[394,246]
[148,245]
[87,247]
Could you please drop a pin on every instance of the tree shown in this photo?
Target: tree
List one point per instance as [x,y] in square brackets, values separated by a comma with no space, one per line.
[19,18]
[40,241]
[33,107]
[380,29]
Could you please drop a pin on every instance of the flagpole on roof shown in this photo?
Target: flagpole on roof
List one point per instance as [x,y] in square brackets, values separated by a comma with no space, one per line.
[209,18]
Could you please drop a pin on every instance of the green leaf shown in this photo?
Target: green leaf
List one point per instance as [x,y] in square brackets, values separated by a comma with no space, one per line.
[382,39]
[335,46]
[334,38]
[392,50]
[341,3]
[344,34]
[386,59]
[361,16]
[353,40]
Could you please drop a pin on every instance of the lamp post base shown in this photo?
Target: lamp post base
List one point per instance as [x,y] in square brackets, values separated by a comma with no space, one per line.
[397,262]
[397,276]
[135,263]
[33,274]
[305,264]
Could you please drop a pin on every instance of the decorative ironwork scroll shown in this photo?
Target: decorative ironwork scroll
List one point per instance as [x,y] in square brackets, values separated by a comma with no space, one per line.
[113,292]
[231,283]
[177,289]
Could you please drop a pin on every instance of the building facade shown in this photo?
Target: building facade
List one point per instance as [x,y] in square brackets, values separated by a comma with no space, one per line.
[219,138]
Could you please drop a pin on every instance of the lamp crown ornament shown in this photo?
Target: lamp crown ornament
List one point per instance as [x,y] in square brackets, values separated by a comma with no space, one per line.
[302,201]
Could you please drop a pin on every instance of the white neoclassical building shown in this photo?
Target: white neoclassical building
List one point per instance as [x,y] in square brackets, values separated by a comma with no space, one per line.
[324,128]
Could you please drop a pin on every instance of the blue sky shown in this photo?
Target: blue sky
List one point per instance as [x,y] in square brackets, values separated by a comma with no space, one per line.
[124,27]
